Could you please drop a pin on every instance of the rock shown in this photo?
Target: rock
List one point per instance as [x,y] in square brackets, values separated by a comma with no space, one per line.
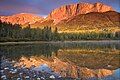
[38,78]
[6,68]
[1,71]
[18,78]
[59,76]
[42,78]
[20,73]
[67,11]
[109,66]
[15,70]
[4,76]
[27,77]
[52,77]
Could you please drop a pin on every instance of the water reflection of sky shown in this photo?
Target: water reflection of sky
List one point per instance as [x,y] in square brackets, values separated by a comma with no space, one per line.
[115,76]
[117,73]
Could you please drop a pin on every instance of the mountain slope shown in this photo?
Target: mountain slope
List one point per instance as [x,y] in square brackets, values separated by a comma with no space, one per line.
[43,23]
[22,18]
[93,20]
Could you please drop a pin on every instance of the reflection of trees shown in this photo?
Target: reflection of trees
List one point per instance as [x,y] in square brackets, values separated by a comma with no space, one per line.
[28,50]
[93,45]
[46,49]
[87,58]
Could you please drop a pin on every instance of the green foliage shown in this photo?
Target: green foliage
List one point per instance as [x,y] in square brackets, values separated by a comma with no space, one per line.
[9,32]
[90,36]
[117,35]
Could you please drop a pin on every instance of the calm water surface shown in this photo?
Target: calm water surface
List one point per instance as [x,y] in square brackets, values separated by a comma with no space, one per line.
[85,60]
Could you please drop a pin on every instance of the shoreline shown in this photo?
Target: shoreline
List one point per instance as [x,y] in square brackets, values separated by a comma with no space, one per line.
[53,42]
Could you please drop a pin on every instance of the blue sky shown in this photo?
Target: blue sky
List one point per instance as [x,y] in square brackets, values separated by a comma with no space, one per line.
[44,7]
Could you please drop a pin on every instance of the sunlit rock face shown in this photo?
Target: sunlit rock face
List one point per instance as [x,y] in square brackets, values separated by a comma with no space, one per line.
[22,18]
[74,9]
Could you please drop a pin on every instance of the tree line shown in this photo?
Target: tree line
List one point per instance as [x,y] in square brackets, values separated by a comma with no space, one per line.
[91,36]
[10,32]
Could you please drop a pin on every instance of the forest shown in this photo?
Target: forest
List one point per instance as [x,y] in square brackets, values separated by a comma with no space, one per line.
[10,32]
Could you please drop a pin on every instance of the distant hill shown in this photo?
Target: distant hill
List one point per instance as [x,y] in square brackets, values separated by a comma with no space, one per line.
[93,20]
[22,18]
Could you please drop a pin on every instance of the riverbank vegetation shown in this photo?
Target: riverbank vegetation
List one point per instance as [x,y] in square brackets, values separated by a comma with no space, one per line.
[9,32]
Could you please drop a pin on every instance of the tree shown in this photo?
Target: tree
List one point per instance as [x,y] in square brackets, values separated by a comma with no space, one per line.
[56,35]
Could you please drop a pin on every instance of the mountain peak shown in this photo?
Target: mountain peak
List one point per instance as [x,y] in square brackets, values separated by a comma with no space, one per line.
[99,3]
[67,11]
[21,18]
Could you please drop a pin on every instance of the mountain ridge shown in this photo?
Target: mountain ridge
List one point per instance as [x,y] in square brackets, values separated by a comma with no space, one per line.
[21,18]
[67,11]
[79,16]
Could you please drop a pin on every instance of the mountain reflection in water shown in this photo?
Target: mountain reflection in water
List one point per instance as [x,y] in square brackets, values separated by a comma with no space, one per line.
[85,60]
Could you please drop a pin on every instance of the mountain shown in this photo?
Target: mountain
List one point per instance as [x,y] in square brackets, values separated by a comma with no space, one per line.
[93,20]
[43,23]
[67,11]
[72,18]
[22,18]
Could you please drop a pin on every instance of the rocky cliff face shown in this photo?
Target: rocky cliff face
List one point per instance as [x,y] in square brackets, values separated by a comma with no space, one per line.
[74,9]
[22,18]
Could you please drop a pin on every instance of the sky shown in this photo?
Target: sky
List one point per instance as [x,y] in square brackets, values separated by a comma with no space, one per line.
[44,7]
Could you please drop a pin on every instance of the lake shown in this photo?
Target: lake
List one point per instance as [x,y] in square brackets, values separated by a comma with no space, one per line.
[83,60]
